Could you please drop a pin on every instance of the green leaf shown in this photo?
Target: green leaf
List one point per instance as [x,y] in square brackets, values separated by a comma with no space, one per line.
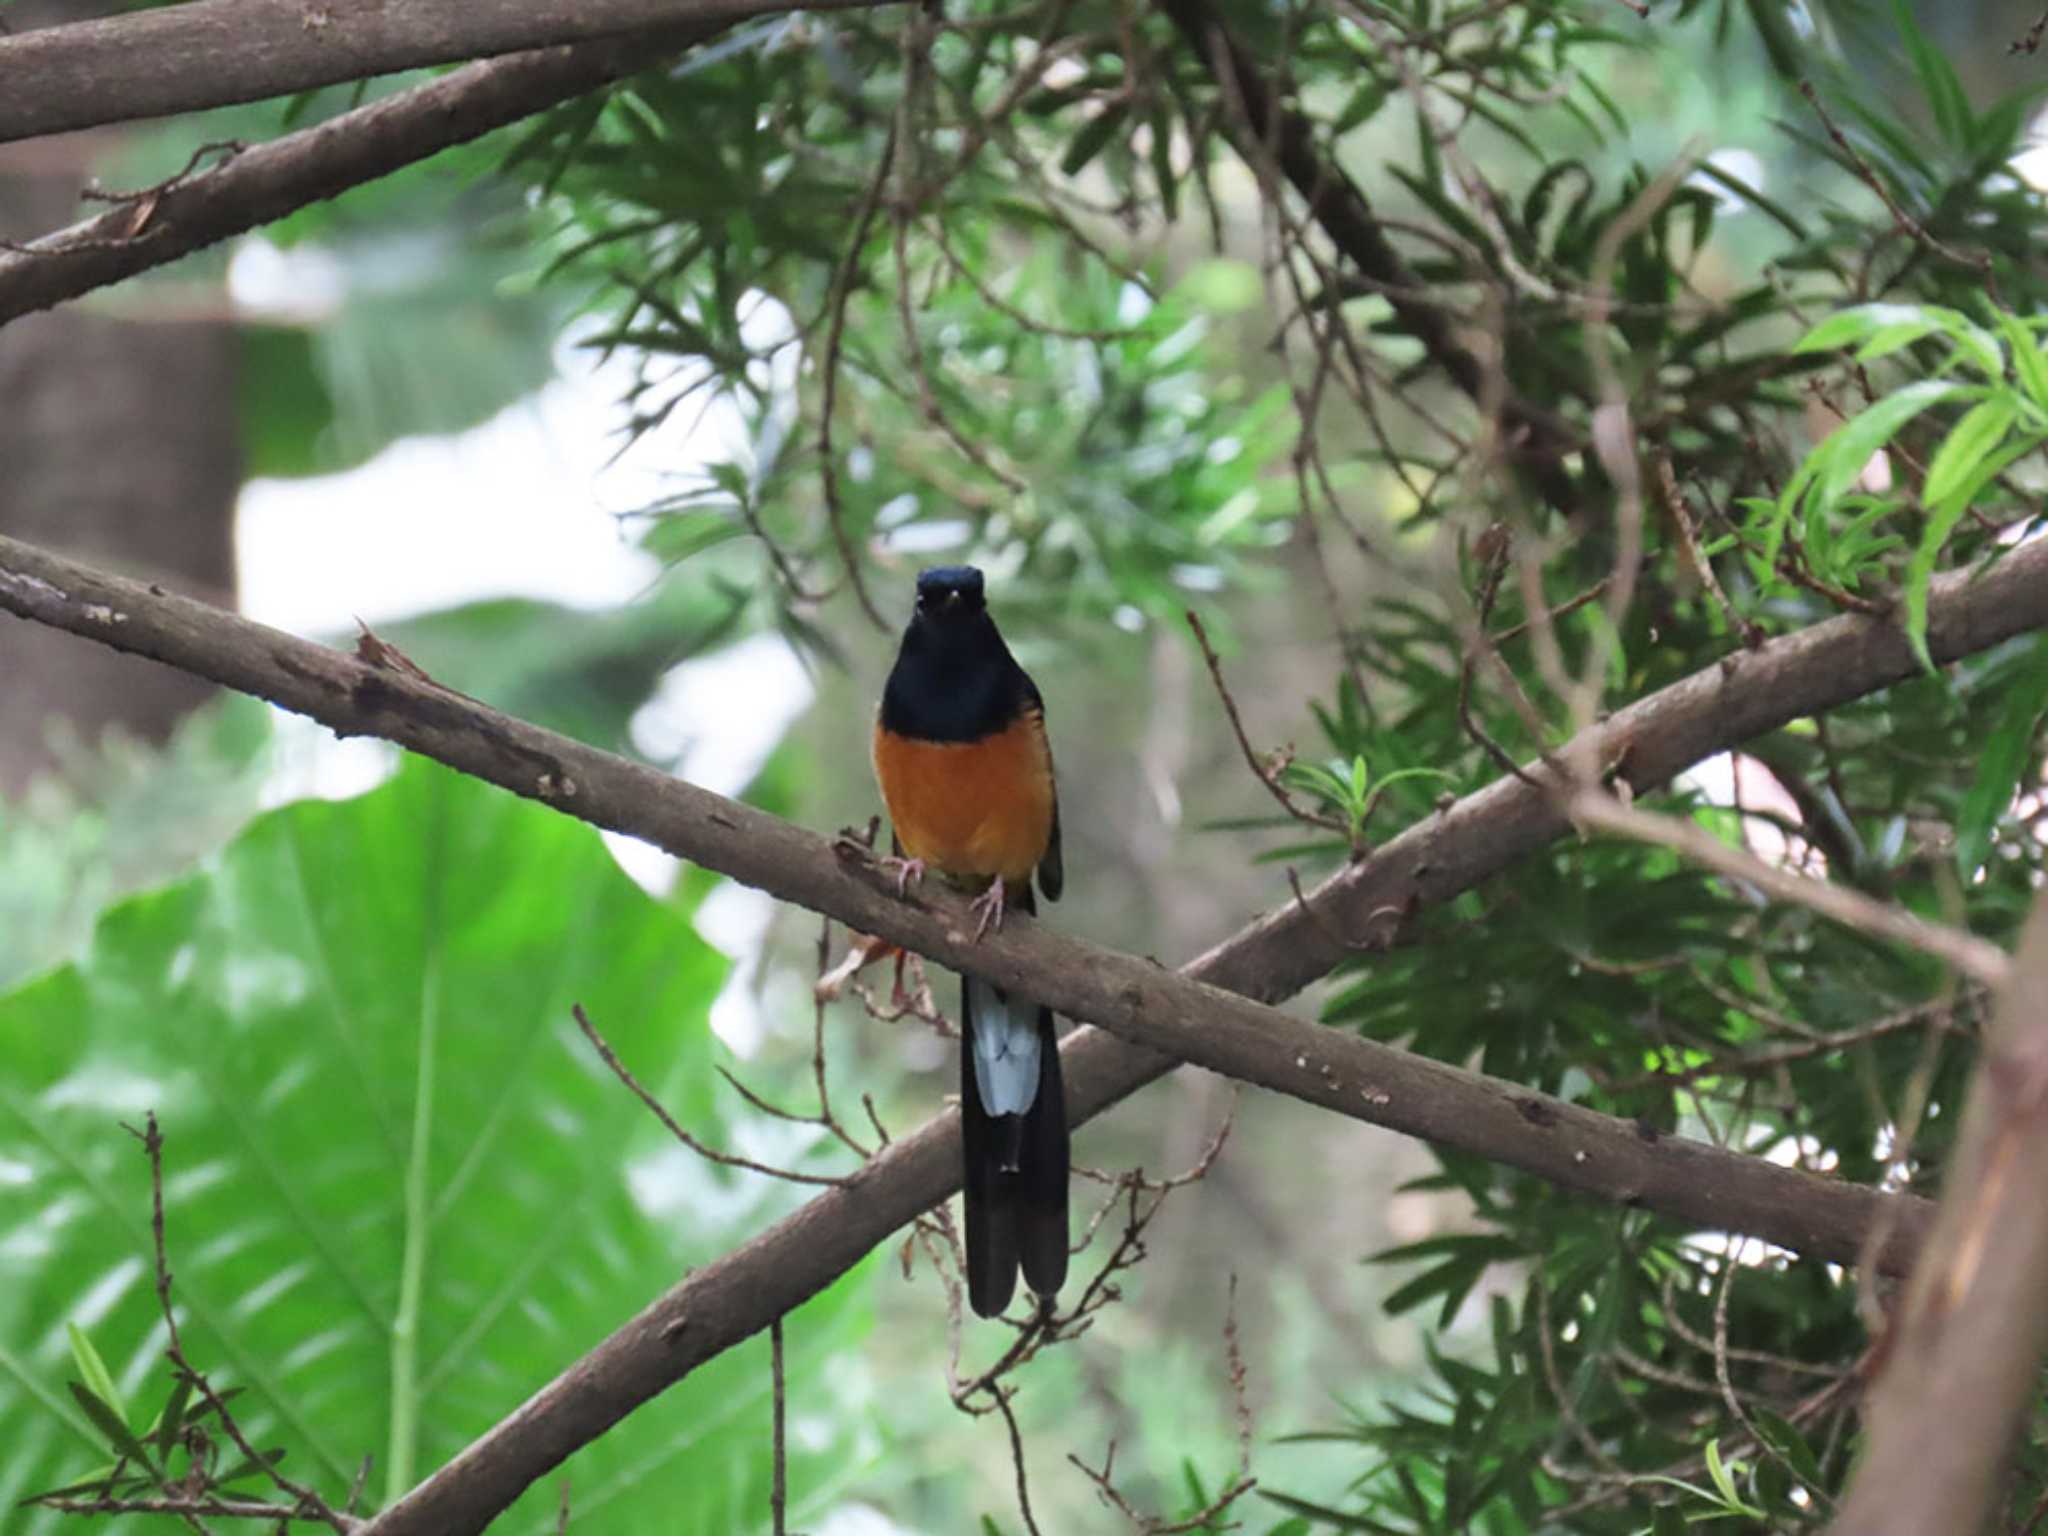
[1898,324]
[2002,761]
[1969,441]
[433,335]
[98,1380]
[1979,345]
[1092,138]
[92,1483]
[1326,1515]
[286,408]
[170,1419]
[247,1467]
[2028,365]
[120,1438]
[1784,1438]
[1938,80]
[581,672]
[401,1193]
[1834,466]
[1163,177]
[1941,522]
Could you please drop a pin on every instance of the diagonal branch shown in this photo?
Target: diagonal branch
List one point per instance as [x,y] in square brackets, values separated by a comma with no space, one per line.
[316,163]
[214,53]
[1158,1016]
[1961,1361]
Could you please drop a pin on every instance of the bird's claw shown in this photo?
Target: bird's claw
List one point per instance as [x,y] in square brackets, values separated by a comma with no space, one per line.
[904,871]
[988,908]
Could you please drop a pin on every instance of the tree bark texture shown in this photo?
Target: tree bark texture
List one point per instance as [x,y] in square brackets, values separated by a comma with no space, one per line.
[119,443]
[213,53]
[1961,1357]
[1151,1017]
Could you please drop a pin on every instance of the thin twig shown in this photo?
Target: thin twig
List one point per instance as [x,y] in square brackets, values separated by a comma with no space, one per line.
[778,1488]
[709,1154]
[1266,774]
[1002,1398]
[1689,541]
[835,331]
[1973,957]
[306,1503]
[1980,263]
[190,1509]
[1205,1518]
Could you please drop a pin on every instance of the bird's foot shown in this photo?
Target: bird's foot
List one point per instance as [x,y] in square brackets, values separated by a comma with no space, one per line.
[988,910]
[905,872]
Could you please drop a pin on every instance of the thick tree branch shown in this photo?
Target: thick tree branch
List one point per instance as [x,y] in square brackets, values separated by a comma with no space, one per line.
[1162,1015]
[275,179]
[1961,1361]
[213,53]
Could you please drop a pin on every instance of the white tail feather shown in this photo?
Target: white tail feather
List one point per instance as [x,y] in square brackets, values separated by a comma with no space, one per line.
[1005,1049]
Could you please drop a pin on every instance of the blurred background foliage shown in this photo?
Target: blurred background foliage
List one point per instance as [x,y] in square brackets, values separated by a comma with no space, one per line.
[1025,285]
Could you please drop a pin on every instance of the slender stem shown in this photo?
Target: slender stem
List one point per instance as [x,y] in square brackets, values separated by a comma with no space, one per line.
[402,1452]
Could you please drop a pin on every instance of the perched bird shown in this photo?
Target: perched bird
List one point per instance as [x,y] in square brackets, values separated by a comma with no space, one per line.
[966,771]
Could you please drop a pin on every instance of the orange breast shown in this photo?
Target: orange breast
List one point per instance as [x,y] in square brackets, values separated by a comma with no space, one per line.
[971,809]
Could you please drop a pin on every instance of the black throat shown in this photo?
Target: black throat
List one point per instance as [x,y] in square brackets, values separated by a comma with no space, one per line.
[954,680]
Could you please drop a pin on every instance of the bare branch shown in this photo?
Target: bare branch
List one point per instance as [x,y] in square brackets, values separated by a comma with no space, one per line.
[213,53]
[1267,773]
[271,180]
[778,1492]
[1976,959]
[655,1107]
[274,1515]
[1164,1015]
[1962,1360]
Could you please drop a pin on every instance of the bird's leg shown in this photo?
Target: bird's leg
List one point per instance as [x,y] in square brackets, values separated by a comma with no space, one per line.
[905,871]
[914,990]
[988,907]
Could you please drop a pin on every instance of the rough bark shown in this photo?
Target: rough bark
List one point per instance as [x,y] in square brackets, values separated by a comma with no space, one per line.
[1960,1365]
[314,164]
[118,443]
[1158,1016]
[213,53]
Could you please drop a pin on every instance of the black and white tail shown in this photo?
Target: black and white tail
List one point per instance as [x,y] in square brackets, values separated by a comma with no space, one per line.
[1013,1114]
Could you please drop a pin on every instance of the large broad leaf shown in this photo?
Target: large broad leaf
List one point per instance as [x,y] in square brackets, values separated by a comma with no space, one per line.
[122,816]
[434,334]
[401,1194]
[579,671]
[413,309]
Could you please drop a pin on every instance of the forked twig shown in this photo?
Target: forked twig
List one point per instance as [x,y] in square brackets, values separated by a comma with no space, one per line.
[654,1105]
[1267,774]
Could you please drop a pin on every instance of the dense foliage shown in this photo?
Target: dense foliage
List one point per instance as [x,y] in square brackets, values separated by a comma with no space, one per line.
[1414,331]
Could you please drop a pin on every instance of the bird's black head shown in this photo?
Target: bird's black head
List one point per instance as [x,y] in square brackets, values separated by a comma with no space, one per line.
[954,678]
[949,593]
